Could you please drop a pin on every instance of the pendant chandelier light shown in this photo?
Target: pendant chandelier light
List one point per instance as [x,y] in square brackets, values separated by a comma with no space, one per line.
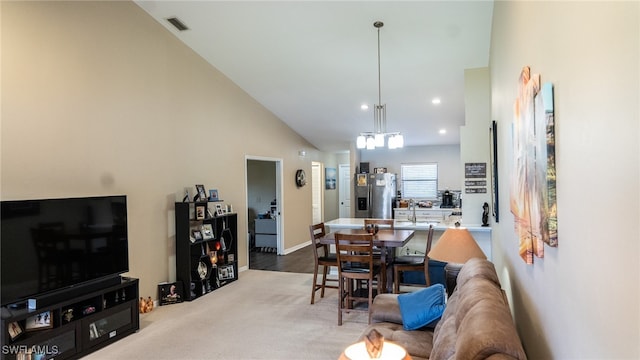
[372,140]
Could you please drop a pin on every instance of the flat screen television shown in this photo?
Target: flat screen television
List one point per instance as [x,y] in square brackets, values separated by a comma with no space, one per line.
[54,244]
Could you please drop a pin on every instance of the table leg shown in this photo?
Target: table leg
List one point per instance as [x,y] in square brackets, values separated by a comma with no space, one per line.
[387,274]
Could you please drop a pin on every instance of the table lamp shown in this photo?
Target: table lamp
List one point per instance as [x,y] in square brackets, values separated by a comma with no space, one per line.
[374,346]
[455,247]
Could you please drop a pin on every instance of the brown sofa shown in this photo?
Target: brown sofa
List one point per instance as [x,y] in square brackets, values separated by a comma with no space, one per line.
[476,323]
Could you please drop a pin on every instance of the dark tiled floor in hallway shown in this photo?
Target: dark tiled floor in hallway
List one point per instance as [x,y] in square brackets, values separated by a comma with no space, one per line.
[299,261]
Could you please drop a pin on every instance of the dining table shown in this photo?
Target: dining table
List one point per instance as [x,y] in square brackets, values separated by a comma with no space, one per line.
[385,239]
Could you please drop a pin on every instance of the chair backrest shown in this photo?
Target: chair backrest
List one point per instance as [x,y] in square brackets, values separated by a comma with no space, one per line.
[317,232]
[426,255]
[355,250]
[386,223]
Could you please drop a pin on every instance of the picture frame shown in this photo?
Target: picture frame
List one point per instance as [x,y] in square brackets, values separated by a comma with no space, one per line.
[93,331]
[362,179]
[197,234]
[225,272]
[213,195]
[170,293]
[200,211]
[15,330]
[201,194]
[330,178]
[40,321]
[207,232]
[219,210]
[493,154]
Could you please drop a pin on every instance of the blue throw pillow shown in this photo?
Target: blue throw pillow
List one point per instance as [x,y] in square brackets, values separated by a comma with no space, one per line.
[422,307]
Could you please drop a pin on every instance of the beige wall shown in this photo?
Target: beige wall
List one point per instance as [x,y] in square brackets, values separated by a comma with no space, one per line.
[98,98]
[582,300]
[474,140]
[447,157]
[331,197]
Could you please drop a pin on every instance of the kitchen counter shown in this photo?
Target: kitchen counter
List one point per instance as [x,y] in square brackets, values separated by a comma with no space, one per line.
[481,234]
[357,223]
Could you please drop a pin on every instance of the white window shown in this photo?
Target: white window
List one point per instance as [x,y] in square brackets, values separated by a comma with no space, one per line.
[419,181]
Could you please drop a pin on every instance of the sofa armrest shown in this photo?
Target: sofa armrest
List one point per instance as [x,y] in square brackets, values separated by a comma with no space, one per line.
[386,308]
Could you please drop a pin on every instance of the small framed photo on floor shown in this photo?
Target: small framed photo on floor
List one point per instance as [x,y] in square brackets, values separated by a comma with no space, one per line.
[170,293]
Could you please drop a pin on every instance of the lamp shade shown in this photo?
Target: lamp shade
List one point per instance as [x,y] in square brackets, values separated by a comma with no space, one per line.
[456,245]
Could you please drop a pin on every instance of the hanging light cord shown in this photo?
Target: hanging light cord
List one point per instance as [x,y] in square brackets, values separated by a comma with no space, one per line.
[378,25]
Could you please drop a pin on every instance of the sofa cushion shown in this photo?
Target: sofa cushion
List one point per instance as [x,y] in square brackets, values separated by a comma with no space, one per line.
[417,343]
[423,307]
[476,267]
[385,308]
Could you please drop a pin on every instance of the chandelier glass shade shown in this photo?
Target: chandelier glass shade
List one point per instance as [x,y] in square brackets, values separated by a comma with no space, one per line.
[377,137]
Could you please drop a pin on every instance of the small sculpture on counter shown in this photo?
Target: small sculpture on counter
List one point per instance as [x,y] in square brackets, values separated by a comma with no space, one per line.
[485,214]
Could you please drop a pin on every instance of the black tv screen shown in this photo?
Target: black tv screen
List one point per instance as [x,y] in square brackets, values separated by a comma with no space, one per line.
[53,244]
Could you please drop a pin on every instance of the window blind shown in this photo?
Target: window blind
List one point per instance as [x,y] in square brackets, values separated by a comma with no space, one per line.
[419,181]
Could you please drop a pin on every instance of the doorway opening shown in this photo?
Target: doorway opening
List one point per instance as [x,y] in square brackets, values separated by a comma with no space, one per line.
[264,200]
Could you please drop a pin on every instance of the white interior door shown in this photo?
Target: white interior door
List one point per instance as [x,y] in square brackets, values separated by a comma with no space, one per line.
[316,190]
[344,190]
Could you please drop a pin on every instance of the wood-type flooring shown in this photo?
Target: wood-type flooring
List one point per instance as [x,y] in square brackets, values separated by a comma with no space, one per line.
[299,261]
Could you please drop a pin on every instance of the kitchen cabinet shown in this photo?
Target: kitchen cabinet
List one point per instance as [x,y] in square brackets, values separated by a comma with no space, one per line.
[435,215]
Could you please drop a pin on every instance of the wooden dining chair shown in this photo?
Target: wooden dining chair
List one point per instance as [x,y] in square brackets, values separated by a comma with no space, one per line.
[355,264]
[322,257]
[412,263]
[382,224]
[386,223]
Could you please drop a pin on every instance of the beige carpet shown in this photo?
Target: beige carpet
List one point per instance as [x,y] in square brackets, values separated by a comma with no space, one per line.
[263,315]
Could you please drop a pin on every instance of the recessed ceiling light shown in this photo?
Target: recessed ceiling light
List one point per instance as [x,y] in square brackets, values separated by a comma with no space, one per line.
[364,107]
[435,101]
[442,131]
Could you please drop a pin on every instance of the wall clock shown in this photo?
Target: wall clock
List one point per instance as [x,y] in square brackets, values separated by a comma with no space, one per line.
[301,178]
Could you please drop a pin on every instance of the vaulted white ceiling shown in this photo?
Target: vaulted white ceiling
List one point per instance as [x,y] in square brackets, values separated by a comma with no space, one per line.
[314,63]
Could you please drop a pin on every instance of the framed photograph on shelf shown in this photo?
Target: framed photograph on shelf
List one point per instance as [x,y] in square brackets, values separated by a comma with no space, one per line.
[213,195]
[93,331]
[201,194]
[196,235]
[15,330]
[207,232]
[219,210]
[200,211]
[39,322]
[225,272]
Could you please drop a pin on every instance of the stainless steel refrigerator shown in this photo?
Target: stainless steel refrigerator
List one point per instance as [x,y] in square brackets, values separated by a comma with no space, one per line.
[375,195]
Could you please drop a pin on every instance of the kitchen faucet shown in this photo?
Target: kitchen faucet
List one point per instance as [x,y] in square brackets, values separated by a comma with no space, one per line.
[412,203]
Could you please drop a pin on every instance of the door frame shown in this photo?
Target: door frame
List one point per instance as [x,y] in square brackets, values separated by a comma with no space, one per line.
[279,191]
[344,189]
[317,184]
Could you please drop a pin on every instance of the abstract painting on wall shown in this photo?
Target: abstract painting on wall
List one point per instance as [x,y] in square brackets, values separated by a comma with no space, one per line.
[533,179]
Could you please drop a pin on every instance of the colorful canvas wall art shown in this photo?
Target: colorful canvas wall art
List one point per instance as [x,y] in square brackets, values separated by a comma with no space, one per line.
[532,191]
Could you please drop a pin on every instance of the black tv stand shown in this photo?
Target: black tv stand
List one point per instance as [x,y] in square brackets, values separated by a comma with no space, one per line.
[50,298]
[82,320]
[19,305]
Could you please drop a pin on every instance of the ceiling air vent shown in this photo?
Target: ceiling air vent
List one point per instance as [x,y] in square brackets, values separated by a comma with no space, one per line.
[178,24]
